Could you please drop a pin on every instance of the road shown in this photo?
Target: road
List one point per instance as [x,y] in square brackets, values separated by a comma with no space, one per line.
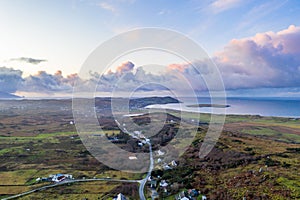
[68,182]
[143,181]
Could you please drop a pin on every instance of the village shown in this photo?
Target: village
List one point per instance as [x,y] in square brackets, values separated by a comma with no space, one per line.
[155,183]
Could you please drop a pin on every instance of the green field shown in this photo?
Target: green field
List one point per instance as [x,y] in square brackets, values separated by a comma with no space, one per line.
[255,157]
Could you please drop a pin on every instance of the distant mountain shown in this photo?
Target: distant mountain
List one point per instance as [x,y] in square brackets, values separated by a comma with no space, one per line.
[5,95]
[146,101]
[105,102]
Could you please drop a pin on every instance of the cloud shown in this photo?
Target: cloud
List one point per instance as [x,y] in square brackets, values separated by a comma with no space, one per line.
[164,12]
[125,67]
[29,60]
[9,79]
[258,12]
[108,7]
[47,83]
[128,1]
[125,79]
[218,6]
[178,67]
[265,60]
[128,78]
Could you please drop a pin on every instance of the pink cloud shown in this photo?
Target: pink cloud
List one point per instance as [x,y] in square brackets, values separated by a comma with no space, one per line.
[269,59]
[178,67]
[125,67]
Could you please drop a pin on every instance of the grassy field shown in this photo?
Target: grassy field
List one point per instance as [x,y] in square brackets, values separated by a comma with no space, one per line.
[23,159]
[255,157]
[95,190]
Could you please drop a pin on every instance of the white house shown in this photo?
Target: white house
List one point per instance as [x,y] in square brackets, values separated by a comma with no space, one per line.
[166,167]
[137,132]
[184,198]
[140,144]
[120,197]
[60,177]
[132,158]
[163,183]
[160,153]
[173,163]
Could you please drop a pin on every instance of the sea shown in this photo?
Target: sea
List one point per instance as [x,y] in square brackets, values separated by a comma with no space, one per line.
[263,106]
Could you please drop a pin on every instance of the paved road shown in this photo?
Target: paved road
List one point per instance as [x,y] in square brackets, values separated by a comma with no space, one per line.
[67,182]
[143,181]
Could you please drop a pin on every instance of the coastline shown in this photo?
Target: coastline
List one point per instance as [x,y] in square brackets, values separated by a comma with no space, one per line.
[221,110]
[265,107]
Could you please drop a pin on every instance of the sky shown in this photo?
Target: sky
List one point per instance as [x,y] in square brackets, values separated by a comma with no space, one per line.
[254,43]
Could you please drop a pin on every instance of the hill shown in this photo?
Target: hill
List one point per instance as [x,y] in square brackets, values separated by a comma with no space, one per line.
[5,95]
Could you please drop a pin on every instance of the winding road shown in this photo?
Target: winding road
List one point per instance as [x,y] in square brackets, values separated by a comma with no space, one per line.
[143,181]
[68,182]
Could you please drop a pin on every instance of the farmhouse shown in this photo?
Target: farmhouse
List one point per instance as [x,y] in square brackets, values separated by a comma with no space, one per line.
[120,197]
[60,177]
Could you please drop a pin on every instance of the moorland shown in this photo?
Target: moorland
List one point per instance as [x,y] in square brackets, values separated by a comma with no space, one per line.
[255,157]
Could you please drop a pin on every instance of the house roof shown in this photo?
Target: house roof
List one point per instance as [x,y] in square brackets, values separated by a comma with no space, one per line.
[121,197]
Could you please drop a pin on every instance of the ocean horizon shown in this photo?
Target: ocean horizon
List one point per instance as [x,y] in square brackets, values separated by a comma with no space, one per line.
[263,106]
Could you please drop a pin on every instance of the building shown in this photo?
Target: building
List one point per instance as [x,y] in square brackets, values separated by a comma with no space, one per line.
[120,197]
[173,163]
[191,194]
[160,153]
[163,183]
[153,183]
[60,177]
[184,198]
[166,167]
[140,144]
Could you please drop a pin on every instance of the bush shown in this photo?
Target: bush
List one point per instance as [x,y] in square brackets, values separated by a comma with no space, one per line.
[248,149]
